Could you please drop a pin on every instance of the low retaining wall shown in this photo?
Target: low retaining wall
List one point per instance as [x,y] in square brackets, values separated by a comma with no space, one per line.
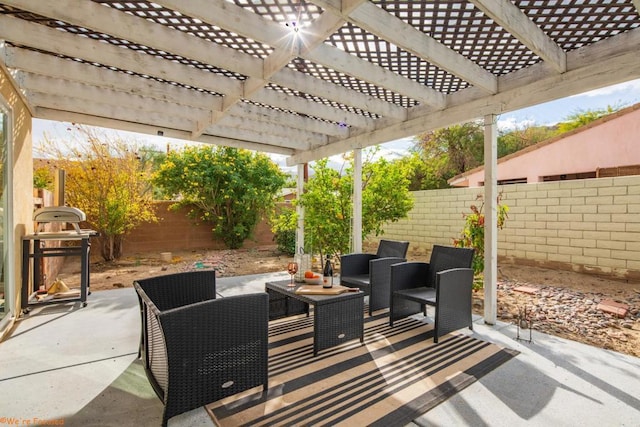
[176,231]
[590,226]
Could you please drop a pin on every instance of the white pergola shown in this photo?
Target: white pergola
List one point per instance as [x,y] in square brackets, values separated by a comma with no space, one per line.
[313,78]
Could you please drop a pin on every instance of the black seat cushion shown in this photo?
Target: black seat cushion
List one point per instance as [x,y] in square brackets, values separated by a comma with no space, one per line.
[360,281]
[423,295]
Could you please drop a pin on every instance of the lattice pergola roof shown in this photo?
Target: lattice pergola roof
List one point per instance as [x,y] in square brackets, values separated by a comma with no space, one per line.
[309,78]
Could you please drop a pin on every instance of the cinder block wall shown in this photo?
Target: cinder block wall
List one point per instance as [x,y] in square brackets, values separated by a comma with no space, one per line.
[590,226]
[176,231]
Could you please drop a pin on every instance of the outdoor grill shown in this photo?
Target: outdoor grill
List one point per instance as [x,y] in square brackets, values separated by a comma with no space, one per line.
[35,251]
[60,214]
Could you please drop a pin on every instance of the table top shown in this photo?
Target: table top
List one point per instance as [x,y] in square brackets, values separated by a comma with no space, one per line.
[283,287]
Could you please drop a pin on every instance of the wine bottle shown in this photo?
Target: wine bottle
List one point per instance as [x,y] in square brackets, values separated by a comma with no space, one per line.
[327,275]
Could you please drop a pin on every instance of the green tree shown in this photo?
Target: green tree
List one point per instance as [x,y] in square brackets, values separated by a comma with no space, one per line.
[584,117]
[106,179]
[328,202]
[448,152]
[227,187]
[520,138]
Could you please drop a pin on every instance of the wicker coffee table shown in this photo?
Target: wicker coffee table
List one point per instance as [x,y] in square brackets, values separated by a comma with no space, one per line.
[336,318]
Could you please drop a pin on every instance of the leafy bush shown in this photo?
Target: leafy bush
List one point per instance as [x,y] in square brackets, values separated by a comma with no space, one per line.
[283,227]
[228,187]
[42,179]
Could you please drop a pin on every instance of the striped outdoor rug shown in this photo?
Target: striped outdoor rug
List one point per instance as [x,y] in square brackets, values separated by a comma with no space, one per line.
[397,375]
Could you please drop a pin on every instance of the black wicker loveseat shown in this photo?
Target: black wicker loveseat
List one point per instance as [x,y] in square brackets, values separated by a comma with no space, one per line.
[197,348]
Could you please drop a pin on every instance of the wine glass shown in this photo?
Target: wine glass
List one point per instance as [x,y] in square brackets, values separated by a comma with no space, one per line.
[292,268]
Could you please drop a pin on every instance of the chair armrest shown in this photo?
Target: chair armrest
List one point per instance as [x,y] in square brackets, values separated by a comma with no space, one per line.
[216,348]
[408,275]
[355,264]
[380,269]
[453,301]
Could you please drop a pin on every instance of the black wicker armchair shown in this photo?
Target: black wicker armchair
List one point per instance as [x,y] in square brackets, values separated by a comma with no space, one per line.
[446,283]
[197,349]
[370,272]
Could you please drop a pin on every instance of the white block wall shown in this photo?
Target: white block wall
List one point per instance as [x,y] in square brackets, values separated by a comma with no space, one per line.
[590,226]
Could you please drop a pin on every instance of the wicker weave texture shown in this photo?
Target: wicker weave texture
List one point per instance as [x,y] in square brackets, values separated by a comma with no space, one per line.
[417,284]
[453,301]
[371,272]
[205,349]
[337,318]
[281,305]
[338,322]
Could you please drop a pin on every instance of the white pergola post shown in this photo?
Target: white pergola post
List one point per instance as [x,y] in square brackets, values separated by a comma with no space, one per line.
[357,201]
[490,220]
[300,209]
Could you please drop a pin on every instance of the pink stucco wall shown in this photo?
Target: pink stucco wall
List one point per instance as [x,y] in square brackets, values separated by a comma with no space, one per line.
[610,142]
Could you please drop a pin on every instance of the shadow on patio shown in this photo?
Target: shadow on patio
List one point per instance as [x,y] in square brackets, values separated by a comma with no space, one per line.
[79,366]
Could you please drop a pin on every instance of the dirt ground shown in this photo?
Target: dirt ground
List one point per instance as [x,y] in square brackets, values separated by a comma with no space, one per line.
[621,335]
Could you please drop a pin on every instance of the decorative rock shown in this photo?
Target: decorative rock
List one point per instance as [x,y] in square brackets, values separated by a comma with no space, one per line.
[526,289]
[613,307]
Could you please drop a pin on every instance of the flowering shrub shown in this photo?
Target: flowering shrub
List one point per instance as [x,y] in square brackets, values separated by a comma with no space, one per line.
[229,188]
[472,236]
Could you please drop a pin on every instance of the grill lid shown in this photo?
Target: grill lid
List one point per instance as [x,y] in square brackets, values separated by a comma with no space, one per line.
[59,214]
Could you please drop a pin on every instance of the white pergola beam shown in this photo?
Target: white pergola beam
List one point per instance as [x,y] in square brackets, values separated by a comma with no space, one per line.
[299,137]
[39,63]
[85,94]
[311,108]
[388,27]
[286,51]
[59,68]
[23,33]
[138,30]
[245,23]
[513,20]
[66,116]
[240,21]
[529,86]
[256,136]
[62,69]
[90,15]
[158,120]
[295,121]
[300,82]
[368,72]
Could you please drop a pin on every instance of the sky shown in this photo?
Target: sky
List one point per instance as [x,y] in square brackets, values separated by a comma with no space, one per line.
[549,113]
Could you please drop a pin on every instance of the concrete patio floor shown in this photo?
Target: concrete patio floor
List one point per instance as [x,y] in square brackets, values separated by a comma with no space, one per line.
[78,366]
